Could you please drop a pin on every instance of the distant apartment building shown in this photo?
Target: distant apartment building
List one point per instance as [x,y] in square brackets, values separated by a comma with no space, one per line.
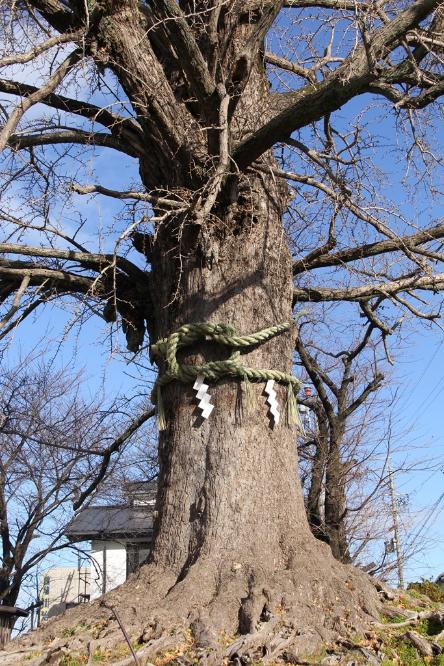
[62,588]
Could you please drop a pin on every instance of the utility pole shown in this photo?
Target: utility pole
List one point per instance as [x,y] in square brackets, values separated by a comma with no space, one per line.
[397,538]
[38,603]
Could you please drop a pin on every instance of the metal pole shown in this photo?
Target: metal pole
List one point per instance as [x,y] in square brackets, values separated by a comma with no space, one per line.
[37,598]
[397,538]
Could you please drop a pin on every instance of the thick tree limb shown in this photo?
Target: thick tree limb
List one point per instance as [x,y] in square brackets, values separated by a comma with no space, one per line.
[74,136]
[348,5]
[97,261]
[125,128]
[240,69]
[56,14]
[423,99]
[191,61]
[433,283]
[289,66]
[165,122]
[39,275]
[351,79]
[351,254]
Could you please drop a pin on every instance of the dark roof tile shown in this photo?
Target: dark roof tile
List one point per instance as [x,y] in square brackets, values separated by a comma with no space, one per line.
[112,521]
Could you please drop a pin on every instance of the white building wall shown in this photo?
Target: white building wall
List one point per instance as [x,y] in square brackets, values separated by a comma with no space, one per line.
[109,556]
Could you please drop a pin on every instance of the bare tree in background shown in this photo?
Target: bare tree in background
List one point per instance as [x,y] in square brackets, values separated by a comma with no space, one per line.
[52,447]
[259,185]
[347,446]
[343,381]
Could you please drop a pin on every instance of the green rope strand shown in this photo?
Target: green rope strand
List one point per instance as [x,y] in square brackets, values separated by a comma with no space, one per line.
[214,370]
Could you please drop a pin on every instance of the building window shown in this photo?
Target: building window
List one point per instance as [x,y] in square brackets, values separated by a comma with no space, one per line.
[136,554]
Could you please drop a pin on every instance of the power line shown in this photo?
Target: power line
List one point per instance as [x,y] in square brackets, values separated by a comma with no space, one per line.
[422,527]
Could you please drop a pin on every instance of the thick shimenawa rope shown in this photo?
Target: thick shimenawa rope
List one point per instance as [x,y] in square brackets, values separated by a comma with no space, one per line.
[223,334]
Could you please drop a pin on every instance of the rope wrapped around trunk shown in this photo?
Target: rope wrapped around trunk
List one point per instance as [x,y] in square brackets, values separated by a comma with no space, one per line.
[226,335]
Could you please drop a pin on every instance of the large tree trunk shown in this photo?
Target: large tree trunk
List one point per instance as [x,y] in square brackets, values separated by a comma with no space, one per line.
[232,530]
[222,482]
[231,536]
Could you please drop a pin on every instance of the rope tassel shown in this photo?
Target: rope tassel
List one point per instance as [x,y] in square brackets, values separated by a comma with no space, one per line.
[293,418]
[247,395]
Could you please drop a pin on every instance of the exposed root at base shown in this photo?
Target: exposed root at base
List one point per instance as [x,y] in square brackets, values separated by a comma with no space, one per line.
[235,616]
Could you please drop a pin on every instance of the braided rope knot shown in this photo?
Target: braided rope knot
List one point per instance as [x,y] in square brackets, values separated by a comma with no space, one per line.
[222,334]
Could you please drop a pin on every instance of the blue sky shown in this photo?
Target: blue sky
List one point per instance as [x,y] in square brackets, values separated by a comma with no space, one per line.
[421,410]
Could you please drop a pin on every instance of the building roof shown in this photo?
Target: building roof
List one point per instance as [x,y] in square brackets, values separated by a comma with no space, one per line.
[141,492]
[110,522]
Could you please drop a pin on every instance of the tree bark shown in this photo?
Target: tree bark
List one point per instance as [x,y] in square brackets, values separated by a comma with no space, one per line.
[335,501]
[218,476]
[222,481]
[316,516]
[232,530]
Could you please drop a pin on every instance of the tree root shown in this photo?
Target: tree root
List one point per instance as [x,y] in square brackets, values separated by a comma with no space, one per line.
[224,616]
[425,647]
[415,618]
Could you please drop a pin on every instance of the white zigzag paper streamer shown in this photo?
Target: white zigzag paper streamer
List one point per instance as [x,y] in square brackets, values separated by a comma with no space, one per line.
[203,396]
[272,401]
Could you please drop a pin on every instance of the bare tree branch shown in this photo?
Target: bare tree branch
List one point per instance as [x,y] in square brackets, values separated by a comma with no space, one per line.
[350,254]
[39,275]
[99,262]
[432,283]
[283,63]
[126,129]
[73,136]
[347,5]
[71,61]
[113,448]
[351,79]
[139,196]
[22,58]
